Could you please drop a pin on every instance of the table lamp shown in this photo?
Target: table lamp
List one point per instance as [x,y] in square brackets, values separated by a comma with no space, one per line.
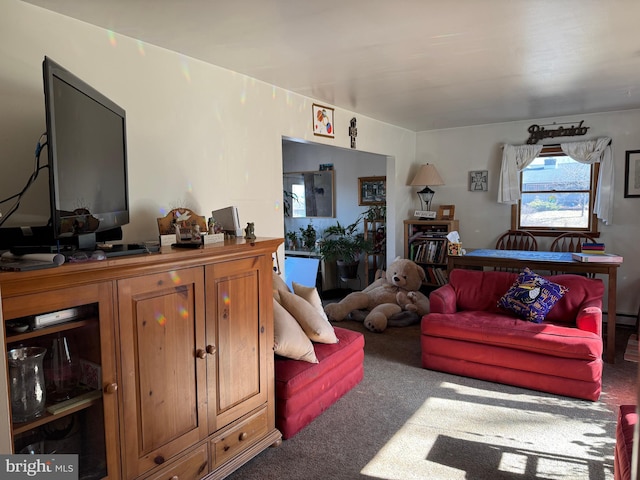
[426,175]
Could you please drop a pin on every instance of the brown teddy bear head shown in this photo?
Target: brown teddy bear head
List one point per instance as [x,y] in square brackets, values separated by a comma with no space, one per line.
[405,274]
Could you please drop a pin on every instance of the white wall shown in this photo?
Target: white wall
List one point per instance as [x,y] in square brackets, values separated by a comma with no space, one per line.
[456,151]
[199,136]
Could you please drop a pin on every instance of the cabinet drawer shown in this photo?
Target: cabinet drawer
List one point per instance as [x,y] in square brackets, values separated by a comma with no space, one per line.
[192,466]
[238,437]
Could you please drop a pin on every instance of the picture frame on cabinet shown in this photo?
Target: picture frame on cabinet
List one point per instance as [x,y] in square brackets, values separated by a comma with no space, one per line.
[478,180]
[446,212]
[372,191]
[323,125]
[632,174]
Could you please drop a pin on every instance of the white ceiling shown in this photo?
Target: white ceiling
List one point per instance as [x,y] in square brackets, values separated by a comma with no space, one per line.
[418,64]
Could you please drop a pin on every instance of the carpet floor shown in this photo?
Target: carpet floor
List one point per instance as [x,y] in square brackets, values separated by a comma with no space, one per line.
[403,422]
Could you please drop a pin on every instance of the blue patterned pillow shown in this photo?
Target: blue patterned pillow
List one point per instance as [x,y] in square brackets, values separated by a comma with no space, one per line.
[532,296]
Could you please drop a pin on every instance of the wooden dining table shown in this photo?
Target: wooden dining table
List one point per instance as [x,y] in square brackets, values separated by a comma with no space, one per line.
[548,261]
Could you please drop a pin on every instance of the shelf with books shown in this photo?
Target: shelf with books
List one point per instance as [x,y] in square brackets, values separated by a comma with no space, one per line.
[425,242]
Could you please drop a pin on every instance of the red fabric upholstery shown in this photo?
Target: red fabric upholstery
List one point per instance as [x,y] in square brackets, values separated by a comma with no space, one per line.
[466,333]
[627,419]
[304,390]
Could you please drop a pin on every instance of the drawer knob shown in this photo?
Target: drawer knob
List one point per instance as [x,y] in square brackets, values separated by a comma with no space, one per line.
[211,349]
[159,460]
[243,436]
[201,353]
[111,388]
[175,477]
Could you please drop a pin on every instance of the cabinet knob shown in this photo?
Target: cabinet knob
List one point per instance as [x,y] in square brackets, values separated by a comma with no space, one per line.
[211,349]
[243,436]
[111,388]
[200,353]
[159,460]
[175,477]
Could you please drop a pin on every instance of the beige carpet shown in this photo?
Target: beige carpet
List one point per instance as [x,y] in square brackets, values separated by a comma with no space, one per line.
[403,422]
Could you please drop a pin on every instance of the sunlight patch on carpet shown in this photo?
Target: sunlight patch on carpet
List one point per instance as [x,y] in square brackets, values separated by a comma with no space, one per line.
[463,432]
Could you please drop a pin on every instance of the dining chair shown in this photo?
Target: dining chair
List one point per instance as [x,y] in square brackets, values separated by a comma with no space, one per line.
[517,240]
[571,242]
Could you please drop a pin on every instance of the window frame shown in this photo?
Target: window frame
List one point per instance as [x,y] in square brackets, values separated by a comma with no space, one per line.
[592,228]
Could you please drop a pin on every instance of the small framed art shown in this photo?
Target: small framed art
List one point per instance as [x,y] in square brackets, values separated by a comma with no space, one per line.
[479,180]
[323,121]
[632,174]
[446,212]
[373,190]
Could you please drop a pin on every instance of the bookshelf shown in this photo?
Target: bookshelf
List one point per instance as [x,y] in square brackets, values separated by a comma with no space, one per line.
[375,230]
[425,242]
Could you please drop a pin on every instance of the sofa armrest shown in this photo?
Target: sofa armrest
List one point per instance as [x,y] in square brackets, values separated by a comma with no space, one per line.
[590,318]
[443,300]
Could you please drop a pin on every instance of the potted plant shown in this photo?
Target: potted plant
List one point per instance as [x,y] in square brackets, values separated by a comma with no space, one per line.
[308,236]
[292,240]
[344,244]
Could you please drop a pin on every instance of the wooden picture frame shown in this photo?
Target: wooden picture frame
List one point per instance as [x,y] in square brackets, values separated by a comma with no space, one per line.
[372,191]
[323,125]
[446,212]
[632,174]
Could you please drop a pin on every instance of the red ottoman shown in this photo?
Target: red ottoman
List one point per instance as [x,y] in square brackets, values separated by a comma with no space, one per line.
[304,390]
[627,418]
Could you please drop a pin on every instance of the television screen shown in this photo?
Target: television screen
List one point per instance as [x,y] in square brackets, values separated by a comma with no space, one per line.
[86,136]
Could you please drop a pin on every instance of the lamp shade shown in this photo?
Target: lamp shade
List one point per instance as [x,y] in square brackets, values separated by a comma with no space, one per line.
[427,175]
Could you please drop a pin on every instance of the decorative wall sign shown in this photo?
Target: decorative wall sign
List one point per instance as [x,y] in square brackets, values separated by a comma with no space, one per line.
[353,132]
[632,174]
[538,132]
[479,180]
[373,190]
[323,121]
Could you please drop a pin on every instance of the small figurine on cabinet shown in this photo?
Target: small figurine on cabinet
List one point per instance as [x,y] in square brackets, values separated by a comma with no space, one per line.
[249,232]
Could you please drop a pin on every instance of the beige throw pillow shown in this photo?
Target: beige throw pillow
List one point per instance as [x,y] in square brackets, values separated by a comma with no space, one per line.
[317,328]
[279,283]
[310,294]
[290,340]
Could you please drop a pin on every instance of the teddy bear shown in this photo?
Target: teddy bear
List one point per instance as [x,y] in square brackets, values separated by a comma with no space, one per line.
[390,300]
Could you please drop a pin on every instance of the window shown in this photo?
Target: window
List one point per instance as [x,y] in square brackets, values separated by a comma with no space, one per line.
[557,195]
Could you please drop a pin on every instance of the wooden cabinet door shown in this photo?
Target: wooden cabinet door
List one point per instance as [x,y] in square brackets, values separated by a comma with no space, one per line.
[93,340]
[161,324]
[237,332]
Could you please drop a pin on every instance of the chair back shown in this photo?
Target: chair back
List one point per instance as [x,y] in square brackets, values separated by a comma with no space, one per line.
[517,240]
[571,242]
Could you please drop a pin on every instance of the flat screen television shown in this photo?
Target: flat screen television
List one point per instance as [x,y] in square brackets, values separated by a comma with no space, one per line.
[87,156]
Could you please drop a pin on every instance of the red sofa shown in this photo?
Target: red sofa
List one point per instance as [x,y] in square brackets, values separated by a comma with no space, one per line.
[304,390]
[467,334]
[627,419]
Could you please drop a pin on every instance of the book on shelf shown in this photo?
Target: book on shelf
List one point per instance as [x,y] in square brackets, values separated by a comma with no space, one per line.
[597,257]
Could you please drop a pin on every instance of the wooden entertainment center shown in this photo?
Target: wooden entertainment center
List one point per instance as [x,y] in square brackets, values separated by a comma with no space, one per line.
[183,343]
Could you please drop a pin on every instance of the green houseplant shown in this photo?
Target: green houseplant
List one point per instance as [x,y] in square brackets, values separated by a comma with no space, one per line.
[344,245]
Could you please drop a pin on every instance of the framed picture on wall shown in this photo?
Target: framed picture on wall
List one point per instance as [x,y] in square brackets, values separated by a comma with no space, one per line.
[373,190]
[479,180]
[632,174]
[323,121]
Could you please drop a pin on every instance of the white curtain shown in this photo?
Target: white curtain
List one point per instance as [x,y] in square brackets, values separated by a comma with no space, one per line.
[592,151]
[515,158]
